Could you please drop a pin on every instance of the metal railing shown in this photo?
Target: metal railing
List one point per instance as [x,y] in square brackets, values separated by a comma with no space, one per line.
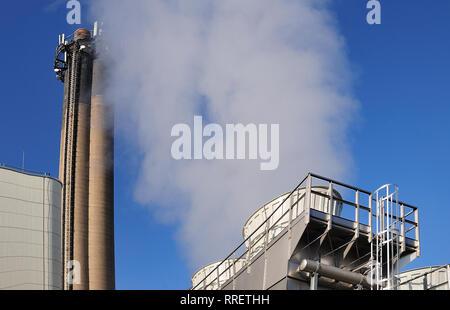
[232,255]
[26,171]
[408,224]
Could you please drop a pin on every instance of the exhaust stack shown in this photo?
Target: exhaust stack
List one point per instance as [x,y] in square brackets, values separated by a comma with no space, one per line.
[86,166]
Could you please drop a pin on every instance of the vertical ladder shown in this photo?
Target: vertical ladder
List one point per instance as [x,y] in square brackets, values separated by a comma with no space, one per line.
[69,164]
[385,243]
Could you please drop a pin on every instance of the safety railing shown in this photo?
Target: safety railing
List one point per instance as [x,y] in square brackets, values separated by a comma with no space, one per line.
[26,171]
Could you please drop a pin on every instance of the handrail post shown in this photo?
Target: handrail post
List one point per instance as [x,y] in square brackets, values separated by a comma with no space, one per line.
[448,276]
[331,207]
[248,258]
[204,280]
[330,189]
[218,277]
[291,206]
[308,198]
[416,219]
[402,228]
[370,218]
[266,241]
[234,271]
[357,214]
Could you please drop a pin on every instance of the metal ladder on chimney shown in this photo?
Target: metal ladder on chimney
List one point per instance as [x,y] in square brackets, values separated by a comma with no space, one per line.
[69,163]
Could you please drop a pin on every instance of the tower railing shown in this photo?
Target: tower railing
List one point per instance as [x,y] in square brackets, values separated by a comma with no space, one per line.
[26,171]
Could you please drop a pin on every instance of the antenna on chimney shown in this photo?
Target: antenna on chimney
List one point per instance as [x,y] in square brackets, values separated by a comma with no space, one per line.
[95,29]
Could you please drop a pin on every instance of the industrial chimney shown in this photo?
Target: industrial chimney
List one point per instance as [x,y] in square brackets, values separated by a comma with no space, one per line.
[86,165]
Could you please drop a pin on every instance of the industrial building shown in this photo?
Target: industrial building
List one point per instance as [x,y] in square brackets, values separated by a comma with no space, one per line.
[325,234]
[30,230]
[59,234]
[86,163]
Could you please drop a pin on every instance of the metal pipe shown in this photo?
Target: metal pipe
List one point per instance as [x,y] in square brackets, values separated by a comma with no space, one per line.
[324,281]
[313,281]
[332,272]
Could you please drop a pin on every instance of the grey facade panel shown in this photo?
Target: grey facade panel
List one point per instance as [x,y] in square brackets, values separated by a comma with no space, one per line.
[30,231]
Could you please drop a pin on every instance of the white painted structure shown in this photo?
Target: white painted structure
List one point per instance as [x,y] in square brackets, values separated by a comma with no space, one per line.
[226,272]
[426,278]
[280,219]
[299,222]
[276,223]
[30,231]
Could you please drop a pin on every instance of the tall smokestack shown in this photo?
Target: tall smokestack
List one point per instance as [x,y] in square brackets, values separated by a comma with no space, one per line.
[101,187]
[86,167]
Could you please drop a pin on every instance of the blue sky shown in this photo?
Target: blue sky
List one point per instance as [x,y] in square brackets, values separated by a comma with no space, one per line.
[402,80]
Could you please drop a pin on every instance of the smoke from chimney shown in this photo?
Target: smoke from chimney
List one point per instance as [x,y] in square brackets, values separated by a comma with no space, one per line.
[235,61]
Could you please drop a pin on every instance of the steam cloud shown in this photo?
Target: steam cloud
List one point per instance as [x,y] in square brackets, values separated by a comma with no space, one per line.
[233,61]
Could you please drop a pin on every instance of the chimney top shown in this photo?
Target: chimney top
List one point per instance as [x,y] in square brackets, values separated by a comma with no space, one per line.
[81,34]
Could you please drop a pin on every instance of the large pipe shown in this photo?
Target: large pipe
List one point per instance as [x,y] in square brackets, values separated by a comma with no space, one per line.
[332,272]
[324,281]
[101,187]
[81,203]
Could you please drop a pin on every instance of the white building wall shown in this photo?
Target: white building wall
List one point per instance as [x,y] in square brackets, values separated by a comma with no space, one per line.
[30,231]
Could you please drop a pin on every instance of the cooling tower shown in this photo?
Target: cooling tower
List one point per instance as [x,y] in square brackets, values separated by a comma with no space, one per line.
[86,166]
[324,234]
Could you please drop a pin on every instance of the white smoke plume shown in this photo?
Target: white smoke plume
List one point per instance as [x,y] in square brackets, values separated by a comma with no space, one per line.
[234,61]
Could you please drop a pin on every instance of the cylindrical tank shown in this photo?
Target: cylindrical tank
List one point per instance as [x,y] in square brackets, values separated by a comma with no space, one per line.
[279,221]
[101,187]
[280,217]
[201,280]
[30,231]
[426,278]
